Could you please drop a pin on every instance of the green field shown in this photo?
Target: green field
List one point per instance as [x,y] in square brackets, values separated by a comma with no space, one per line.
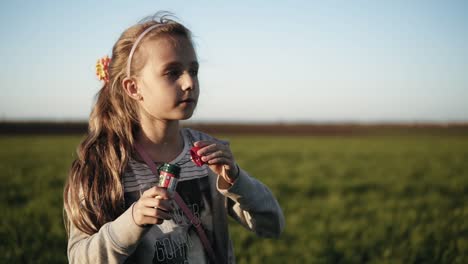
[375,199]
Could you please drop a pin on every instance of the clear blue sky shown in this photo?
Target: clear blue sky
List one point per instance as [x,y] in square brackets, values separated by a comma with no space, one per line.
[282,61]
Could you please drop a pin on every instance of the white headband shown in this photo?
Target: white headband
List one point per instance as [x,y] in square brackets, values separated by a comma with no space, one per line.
[129,62]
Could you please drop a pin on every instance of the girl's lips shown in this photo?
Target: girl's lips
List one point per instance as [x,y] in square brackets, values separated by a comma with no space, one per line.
[188,101]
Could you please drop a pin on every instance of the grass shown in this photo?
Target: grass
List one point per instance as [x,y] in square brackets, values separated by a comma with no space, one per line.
[394,199]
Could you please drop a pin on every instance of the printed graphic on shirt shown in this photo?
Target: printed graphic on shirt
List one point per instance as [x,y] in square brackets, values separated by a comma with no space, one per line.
[178,245]
[173,248]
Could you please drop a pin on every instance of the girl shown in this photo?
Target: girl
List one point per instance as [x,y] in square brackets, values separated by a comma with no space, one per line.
[114,211]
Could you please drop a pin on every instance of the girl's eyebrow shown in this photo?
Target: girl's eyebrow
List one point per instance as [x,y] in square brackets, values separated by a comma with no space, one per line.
[178,64]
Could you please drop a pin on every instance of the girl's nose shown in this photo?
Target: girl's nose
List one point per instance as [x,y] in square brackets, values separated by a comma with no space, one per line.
[188,81]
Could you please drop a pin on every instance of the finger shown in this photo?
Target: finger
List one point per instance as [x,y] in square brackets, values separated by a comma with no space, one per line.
[158,203]
[157,191]
[157,213]
[217,154]
[208,149]
[148,211]
[214,148]
[221,161]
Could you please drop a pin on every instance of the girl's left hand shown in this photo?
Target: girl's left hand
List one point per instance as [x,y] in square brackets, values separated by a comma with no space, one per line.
[219,158]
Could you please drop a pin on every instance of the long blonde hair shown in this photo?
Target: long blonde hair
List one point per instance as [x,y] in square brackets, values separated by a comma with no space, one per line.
[93,194]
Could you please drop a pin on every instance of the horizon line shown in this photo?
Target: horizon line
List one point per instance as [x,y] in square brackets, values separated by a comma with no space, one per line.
[263,122]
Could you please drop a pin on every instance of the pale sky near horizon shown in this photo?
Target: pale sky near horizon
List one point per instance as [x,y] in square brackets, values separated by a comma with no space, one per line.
[286,61]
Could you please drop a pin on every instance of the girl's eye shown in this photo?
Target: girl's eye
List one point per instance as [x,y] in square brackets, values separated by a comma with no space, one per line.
[194,72]
[173,74]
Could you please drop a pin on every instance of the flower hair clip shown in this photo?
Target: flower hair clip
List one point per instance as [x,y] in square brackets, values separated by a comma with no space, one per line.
[102,68]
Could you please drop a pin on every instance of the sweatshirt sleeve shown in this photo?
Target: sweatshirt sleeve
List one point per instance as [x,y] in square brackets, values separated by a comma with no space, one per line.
[253,205]
[113,243]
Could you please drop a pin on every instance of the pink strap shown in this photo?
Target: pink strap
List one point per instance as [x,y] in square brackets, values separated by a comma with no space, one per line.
[194,220]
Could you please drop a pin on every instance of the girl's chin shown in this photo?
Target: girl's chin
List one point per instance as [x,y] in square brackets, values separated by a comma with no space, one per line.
[185,118]
[185,115]
[177,114]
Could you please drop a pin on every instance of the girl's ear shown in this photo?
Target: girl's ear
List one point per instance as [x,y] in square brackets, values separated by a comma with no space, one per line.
[131,88]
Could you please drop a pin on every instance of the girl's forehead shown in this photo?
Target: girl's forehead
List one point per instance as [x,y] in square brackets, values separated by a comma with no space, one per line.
[168,48]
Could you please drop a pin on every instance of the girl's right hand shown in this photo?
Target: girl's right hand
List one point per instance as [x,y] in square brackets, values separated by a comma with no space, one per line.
[153,207]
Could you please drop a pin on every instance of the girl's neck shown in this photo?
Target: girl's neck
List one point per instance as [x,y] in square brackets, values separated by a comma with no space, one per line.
[161,139]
